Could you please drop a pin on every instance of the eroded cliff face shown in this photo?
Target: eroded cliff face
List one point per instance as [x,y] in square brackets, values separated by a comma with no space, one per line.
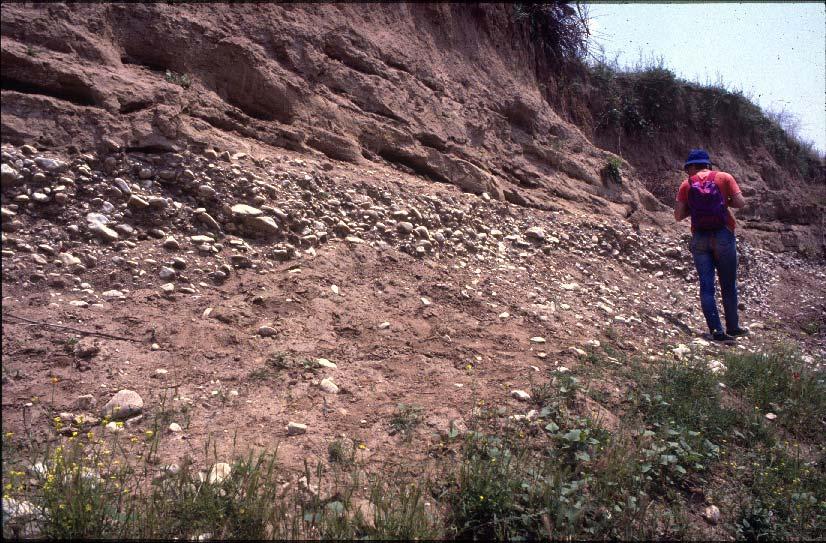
[451,92]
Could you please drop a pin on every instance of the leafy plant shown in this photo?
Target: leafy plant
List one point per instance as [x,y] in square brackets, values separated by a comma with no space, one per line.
[182,80]
[405,419]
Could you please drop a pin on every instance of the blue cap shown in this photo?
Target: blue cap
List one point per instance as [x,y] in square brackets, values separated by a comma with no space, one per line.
[697,156]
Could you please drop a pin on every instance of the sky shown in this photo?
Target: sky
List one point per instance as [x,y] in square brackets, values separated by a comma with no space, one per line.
[775,53]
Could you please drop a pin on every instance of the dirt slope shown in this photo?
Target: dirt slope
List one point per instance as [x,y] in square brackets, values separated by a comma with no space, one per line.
[239,193]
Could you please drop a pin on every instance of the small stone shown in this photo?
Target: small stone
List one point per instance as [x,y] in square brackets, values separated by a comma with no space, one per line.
[520,395]
[538,339]
[243,210]
[167,273]
[219,472]
[770,416]
[84,403]
[324,363]
[384,325]
[168,288]
[137,203]
[328,386]
[504,315]
[86,348]
[174,427]
[123,405]
[335,289]
[114,427]
[536,233]
[296,428]
[267,331]
[8,175]
[681,350]
[171,244]
[404,227]
[103,232]
[712,514]
[426,302]
[113,295]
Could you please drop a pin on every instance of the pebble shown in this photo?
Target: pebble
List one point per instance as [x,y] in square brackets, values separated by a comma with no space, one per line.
[168,288]
[123,405]
[219,472]
[296,428]
[537,339]
[520,395]
[712,514]
[267,331]
[174,427]
[324,363]
[327,385]
[103,232]
[171,244]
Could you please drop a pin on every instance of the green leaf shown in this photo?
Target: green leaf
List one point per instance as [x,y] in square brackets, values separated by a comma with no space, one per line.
[573,435]
[551,427]
[583,456]
[646,468]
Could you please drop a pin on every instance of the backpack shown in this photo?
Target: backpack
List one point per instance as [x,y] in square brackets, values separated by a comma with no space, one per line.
[706,204]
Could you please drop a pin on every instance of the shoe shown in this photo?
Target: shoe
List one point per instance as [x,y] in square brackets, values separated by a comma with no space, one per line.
[720,336]
[738,332]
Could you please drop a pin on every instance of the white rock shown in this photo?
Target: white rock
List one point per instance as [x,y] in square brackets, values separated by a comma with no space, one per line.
[175,427]
[520,395]
[681,350]
[770,416]
[267,331]
[123,405]
[219,472]
[538,339]
[324,363]
[114,427]
[426,302]
[243,210]
[296,428]
[335,289]
[168,288]
[715,366]
[384,325]
[712,514]
[328,386]
[113,294]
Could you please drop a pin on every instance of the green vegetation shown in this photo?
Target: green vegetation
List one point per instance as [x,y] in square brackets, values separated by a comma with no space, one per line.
[560,29]
[779,382]
[556,474]
[178,79]
[405,419]
[648,100]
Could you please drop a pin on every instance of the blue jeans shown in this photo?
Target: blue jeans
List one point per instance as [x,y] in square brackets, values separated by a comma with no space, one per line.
[716,250]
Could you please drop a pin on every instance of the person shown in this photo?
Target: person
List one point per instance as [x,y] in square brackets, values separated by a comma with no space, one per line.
[706,197]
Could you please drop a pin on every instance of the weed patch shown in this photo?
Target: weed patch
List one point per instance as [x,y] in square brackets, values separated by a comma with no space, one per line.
[779,381]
